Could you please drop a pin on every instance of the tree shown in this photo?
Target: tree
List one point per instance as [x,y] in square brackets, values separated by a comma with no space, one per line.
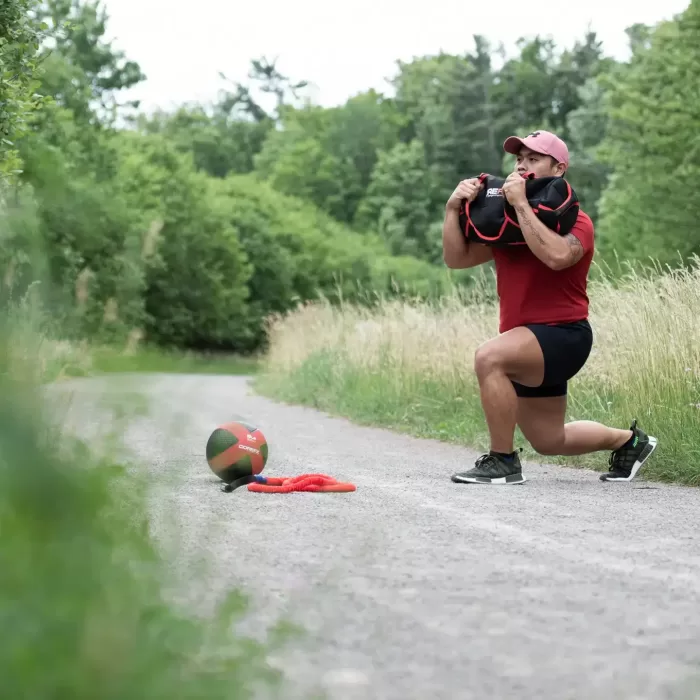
[196,271]
[19,45]
[226,136]
[648,210]
[82,71]
[84,76]
[327,155]
[299,252]
[449,102]
[540,87]
[399,202]
[220,142]
[90,237]
[269,80]
[587,126]
[295,161]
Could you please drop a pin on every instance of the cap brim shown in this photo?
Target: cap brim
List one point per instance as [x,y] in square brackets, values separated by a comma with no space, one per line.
[513,144]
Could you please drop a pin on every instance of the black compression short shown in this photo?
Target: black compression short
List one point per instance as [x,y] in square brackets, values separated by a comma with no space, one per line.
[566,347]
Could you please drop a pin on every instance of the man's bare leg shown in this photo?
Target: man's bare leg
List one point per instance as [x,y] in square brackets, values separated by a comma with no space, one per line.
[515,355]
[541,421]
[584,436]
[500,405]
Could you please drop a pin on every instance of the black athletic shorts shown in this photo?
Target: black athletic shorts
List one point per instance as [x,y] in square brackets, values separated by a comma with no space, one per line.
[566,347]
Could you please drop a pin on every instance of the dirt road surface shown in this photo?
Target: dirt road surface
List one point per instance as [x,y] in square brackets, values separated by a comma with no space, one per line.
[412,587]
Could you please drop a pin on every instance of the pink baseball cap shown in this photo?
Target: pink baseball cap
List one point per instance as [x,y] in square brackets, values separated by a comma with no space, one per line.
[544,142]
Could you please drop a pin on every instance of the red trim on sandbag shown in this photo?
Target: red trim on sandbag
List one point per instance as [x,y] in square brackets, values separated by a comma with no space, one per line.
[481,235]
[569,196]
[515,223]
[482,178]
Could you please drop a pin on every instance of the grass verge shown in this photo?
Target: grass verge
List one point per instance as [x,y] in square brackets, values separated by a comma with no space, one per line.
[84,595]
[148,359]
[63,359]
[408,366]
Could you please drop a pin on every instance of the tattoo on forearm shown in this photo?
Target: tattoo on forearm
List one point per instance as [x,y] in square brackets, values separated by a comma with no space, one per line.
[575,247]
[528,224]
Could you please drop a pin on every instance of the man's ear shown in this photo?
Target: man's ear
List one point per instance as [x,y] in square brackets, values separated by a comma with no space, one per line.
[559,168]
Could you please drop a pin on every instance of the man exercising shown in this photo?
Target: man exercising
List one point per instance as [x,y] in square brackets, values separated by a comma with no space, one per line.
[544,334]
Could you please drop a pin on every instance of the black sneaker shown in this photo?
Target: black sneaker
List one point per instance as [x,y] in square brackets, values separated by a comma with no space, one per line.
[628,460]
[493,469]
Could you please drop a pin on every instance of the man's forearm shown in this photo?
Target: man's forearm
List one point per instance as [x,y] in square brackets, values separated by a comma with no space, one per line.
[551,248]
[454,246]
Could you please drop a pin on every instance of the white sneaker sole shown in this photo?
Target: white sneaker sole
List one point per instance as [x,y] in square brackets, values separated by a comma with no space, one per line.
[501,481]
[648,450]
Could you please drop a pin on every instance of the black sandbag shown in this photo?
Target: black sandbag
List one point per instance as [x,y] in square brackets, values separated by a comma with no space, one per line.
[492,220]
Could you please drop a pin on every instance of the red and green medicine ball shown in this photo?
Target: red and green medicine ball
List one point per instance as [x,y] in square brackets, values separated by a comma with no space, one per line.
[235,450]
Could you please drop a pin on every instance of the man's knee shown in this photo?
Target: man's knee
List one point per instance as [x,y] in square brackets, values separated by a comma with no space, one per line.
[517,354]
[486,359]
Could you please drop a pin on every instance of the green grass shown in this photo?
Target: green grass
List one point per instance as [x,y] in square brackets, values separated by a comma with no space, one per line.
[416,405]
[149,359]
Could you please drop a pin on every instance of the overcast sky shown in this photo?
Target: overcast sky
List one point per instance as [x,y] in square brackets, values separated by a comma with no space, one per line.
[342,48]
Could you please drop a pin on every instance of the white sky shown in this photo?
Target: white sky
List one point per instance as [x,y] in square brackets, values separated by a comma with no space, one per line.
[342,49]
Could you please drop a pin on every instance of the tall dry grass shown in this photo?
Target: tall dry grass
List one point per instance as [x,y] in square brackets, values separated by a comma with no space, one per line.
[410,365]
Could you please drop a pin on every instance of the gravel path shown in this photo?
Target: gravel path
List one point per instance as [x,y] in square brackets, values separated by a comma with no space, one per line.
[564,588]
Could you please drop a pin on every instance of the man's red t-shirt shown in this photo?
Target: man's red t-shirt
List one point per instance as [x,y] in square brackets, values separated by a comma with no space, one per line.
[531,292]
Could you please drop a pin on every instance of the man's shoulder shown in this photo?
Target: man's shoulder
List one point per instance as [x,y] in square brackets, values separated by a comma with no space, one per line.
[584,220]
[584,230]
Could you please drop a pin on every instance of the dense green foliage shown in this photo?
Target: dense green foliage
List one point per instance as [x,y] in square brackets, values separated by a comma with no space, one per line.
[19,42]
[190,228]
[648,207]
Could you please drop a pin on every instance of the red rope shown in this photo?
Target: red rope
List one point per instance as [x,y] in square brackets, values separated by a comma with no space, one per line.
[303,482]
